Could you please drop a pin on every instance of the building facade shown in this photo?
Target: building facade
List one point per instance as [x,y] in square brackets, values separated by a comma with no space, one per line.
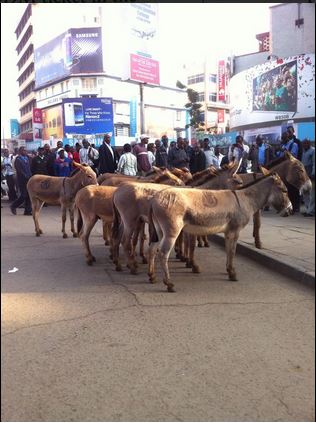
[275,87]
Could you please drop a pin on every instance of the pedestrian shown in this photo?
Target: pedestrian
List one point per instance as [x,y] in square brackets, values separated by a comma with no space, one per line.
[198,160]
[127,164]
[308,160]
[165,142]
[141,153]
[161,154]
[39,163]
[108,156]
[177,156]
[75,153]
[260,154]
[292,147]
[151,150]
[208,152]
[216,158]
[88,155]
[59,145]
[9,174]
[68,151]
[240,151]
[50,156]
[23,174]
[188,148]
[62,164]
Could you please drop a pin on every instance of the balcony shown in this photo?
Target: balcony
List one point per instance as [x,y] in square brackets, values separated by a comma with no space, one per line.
[26,64]
[28,116]
[27,99]
[28,80]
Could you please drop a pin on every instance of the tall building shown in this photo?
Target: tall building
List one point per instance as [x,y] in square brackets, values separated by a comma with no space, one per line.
[275,86]
[26,74]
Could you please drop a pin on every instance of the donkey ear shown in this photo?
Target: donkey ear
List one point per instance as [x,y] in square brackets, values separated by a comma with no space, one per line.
[234,167]
[264,170]
[76,164]
[157,170]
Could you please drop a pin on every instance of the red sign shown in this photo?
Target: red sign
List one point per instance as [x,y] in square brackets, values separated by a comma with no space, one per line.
[144,69]
[221,86]
[220,116]
[37,116]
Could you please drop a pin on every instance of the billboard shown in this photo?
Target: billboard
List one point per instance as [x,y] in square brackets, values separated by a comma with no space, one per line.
[37,124]
[221,81]
[275,91]
[77,50]
[87,116]
[52,123]
[14,128]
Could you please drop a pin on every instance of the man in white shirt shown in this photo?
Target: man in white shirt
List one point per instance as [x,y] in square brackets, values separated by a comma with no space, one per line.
[127,164]
[88,155]
[216,157]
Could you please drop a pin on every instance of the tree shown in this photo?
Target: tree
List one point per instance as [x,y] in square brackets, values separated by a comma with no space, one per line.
[194,108]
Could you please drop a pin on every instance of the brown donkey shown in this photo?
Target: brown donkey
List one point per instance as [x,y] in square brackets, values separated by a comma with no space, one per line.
[291,171]
[56,190]
[201,212]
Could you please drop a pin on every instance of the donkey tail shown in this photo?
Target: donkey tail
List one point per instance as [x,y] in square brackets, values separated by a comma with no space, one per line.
[79,222]
[153,236]
[116,222]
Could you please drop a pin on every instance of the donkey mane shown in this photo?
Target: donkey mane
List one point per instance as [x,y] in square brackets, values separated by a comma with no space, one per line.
[275,162]
[254,182]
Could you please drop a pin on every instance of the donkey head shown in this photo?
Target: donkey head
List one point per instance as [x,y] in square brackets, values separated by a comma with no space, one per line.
[183,173]
[166,177]
[295,174]
[278,196]
[86,174]
[229,177]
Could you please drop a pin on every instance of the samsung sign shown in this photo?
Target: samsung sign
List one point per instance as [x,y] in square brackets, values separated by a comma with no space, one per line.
[79,50]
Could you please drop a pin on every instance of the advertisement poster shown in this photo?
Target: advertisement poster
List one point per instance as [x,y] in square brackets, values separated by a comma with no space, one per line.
[143,42]
[77,50]
[87,116]
[278,90]
[14,128]
[52,123]
[221,84]
[133,117]
[220,116]
[37,125]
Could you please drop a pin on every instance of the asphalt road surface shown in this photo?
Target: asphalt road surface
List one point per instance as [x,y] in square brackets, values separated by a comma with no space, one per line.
[84,343]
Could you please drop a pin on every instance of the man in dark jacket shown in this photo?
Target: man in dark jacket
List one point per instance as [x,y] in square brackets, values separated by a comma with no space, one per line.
[260,154]
[23,174]
[39,164]
[161,154]
[177,156]
[198,159]
[108,156]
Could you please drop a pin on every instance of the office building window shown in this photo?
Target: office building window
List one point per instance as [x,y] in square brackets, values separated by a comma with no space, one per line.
[212,97]
[195,79]
[212,78]
[201,96]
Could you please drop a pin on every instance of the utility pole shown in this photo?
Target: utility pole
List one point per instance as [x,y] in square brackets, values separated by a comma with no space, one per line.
[142,109]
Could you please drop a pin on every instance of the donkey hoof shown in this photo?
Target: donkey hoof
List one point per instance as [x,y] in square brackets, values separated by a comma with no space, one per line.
[200,245]
[152,279]
[233,277]
[118,268]
[65,236]
[196,269]
[183,259]
[188,265]
[206,245]
[145,261]
[107,243]
[40,231]
[89,262]
[37,233]
[75,235]
[258,245]
[170,288]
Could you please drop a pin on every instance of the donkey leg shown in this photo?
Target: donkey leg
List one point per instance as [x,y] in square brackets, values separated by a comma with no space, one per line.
[105,227]
[152,253]
[256,228]
[36,207]
[205,240]
[194,265]
[72,220]
[127,246]
[164,252]
[63,220]
[230,246]
[88,224]
[142,243]
[199,240]
[115,249]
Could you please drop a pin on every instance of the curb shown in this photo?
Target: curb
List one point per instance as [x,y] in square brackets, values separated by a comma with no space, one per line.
[296,273]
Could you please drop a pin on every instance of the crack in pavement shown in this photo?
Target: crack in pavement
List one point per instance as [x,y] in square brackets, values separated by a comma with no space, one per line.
[138,304]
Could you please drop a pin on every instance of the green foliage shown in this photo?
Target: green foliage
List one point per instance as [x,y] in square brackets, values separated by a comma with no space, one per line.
[193,107]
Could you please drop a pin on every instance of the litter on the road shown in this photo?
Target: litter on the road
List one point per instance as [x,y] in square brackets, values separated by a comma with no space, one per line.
[15,269]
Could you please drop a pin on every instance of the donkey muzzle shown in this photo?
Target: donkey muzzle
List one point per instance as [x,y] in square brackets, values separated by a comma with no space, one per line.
[287,210]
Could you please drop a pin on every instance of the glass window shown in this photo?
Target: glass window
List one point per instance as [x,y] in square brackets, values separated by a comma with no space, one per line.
[201,97]
[213,97]
[213,78]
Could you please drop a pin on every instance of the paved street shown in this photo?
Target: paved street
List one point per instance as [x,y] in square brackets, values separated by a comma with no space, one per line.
[86,343]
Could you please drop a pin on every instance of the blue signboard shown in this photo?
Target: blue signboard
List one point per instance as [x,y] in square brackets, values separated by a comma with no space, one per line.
[88,116]
[78,50]
[133,117]
[14,127]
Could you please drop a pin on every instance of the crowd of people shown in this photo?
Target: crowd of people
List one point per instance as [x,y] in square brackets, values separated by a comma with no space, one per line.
[139,158]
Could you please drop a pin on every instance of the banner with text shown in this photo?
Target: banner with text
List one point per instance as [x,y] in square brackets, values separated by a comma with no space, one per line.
[221,84]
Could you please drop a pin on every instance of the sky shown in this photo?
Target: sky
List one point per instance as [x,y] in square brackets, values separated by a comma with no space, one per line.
[189,32]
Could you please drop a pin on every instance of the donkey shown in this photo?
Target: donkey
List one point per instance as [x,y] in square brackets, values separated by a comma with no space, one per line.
[56,190]
[291,171]
[93,202]
[131,205]
[202,212]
